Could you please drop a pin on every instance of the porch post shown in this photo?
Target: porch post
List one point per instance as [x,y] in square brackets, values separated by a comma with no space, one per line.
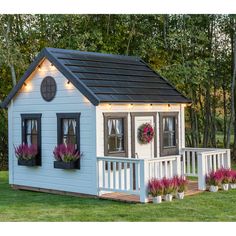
[228,160]
[178,166]
[99,176]
[201,171]
[143,180]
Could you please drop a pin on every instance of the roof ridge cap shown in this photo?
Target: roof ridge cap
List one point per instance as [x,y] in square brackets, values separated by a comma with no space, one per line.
[134,58]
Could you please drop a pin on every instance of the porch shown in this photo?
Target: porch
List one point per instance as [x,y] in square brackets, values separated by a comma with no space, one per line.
[127,178]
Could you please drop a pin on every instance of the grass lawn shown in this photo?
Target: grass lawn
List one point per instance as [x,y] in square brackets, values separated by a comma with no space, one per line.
[18,205]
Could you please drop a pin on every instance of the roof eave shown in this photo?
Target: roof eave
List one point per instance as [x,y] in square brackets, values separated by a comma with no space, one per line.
[45,53]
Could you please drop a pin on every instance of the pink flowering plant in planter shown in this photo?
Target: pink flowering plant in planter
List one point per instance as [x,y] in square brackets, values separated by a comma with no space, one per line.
[214,180]
[66,153]
[155,189]
[226,177]
[233,179]
[182,184]
[26,152]
[168,188]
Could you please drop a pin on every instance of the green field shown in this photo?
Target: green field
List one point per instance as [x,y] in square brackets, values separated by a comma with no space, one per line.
[17,205]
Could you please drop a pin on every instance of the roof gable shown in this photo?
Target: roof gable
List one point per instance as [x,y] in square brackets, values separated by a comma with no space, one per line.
[107,78]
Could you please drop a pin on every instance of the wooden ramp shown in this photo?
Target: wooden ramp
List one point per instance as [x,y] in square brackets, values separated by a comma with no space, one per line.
[192,190]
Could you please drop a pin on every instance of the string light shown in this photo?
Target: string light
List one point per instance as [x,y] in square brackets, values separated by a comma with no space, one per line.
[109,107]
[131,106]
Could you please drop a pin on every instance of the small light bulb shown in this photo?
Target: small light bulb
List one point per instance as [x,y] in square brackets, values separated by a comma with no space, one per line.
[109,106]
[131,106]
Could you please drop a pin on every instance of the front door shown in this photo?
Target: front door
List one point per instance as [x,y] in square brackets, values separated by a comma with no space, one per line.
[143,150]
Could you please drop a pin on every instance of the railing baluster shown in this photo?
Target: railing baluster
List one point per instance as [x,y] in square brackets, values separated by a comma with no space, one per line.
[155,169]
[119,166]
[103,173]
[206,163]
[136,176]
[171,169]
[184,162]
[188,162]
[193,163]
[222,160]
[161,169]
[114,175]
[166,174]
[125,175]
[218,161]
[211,162]
[131,176]
[109,174]
[214,162]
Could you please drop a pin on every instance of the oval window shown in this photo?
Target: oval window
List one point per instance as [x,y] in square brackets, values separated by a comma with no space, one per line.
[48,88]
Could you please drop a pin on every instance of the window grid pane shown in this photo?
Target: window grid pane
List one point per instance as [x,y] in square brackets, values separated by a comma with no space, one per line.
[31,131]
[115,135]
[69,131]
[169,132]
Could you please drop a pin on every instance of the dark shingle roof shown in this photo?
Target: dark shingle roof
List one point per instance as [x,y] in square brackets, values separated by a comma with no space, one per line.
[108,78]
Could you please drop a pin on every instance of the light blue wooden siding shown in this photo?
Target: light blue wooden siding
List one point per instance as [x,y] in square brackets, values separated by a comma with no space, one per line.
[68,99]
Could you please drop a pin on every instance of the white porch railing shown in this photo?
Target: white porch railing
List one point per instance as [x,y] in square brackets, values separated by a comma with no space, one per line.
[117,174]
[200,161]
[130,175]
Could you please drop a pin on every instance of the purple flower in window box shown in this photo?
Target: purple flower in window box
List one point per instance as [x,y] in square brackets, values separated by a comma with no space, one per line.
[26,152]
[27,155]
[67,157]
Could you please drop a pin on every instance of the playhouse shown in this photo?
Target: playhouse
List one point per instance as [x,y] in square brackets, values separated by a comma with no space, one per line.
[125,119]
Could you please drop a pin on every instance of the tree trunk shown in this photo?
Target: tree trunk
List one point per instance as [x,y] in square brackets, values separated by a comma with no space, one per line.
[13,74]
[225,116]
[207,118]
[232,90]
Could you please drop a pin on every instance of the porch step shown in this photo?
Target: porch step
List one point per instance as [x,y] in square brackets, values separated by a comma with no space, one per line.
[130,198]
[122,197]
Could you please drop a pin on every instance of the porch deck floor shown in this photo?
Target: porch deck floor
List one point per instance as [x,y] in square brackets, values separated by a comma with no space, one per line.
[192,190]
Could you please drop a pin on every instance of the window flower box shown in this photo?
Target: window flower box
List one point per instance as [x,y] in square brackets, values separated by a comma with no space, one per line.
[67,165]
[30,162]
[67,157]
[27,155]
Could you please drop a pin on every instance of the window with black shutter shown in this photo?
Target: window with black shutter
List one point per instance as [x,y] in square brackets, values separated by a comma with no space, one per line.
[31,131]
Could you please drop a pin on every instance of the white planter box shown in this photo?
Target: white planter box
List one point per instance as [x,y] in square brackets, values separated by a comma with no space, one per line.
[157,199]
[232,186]
[168,197]
[213,188]
[180,195]
[225,187]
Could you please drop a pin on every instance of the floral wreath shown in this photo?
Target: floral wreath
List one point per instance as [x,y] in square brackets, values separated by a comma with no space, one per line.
[145,133]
